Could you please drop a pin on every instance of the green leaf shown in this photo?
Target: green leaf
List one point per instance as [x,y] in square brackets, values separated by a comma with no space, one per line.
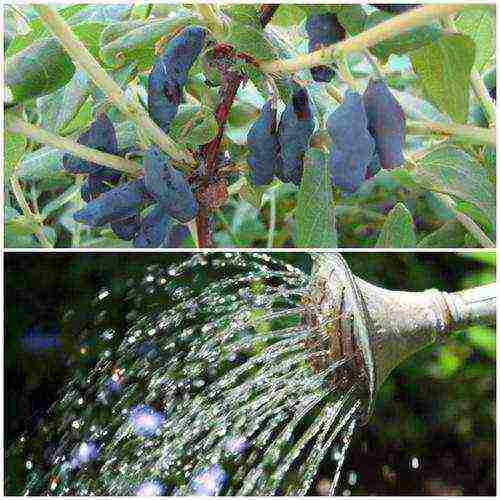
[252,194]
[21,226]
[106,242]
[403,43]
[318,9]
[101,13]
[490,78]
[490,159]
[37,70]
[116,30]
[80,121]
[444,69]
[39,30]
[44,163]
[53,205]
[449,235]
[194,125]
[90,34]
[44,66]
[135,41]
[288,15]
[246,225]
[477,216]
[59,108]
[315,215]
[197,87]
[127,135]
[14,147]
[451,171]
[20,241]
[251,41]
[10,213]
[483,338]
[50,234]
[352,18]
[244,14]
[479,25]
[488,258]
[398,230]
[141,11]
[242,114]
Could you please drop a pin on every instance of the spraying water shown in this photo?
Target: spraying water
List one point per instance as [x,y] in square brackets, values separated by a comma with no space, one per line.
[239,384]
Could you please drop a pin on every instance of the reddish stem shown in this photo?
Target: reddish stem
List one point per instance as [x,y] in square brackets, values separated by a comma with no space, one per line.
[210,152]
[266,13]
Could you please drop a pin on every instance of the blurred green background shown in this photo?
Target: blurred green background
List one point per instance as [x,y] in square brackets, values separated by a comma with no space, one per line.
[433,430]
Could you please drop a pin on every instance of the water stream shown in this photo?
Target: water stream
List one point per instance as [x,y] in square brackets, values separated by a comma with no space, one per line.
[206,377]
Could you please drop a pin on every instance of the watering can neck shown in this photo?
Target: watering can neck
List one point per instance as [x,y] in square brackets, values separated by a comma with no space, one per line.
[402,324]
[406,322]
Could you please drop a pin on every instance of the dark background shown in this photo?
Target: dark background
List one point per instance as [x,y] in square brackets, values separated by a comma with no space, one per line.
[433,430]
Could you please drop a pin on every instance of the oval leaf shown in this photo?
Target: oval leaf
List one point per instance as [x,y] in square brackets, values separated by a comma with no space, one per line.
[449,235]
[451,171]
[403,43]
[44,163]
[397,231]
[444,69]
[251,41]
[480,26]
[138,44]
[315,215]
[37,70]
[59,108]
[45,66]
[194,125]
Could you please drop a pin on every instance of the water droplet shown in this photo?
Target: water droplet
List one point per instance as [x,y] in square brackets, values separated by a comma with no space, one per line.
[86,452]
[352,478]
[150,489]
[209,481]
[145,420]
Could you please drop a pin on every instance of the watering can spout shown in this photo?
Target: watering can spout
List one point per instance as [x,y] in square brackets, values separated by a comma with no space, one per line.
[381,327]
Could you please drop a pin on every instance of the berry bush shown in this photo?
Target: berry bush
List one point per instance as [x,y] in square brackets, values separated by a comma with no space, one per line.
[250,125]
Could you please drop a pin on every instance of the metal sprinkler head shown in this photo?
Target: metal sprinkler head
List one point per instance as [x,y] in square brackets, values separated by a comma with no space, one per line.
[371,330]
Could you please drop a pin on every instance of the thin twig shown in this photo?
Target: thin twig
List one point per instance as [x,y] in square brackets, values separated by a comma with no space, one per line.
[19,13]
[483,96]
[27,212]
[16,125]
[79,204]
[272,218]
[466,221]
[383,31]
[467,133]
[333,92]
[345,73]
[86,61]
[267,12]
[213,17]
